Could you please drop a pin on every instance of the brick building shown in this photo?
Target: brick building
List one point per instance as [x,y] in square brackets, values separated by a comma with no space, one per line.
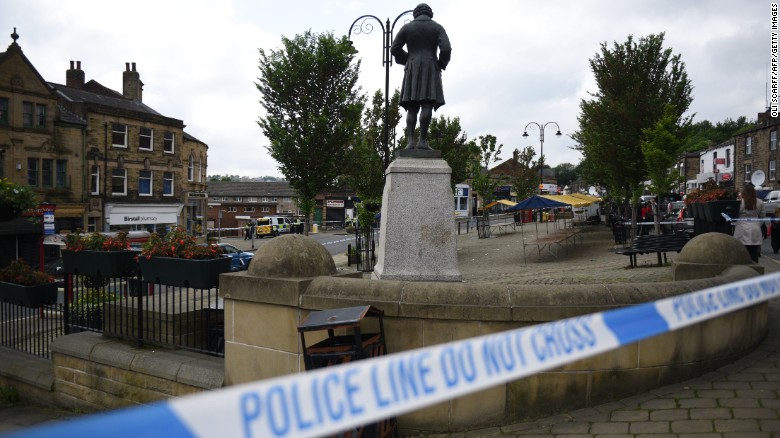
[105,158]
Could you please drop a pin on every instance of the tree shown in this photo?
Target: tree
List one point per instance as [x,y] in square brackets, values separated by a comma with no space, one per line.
[636,82]
[524,173]
[704,134]
[566,174]
[481,180]
[446,135]
[313,105]
[661,145]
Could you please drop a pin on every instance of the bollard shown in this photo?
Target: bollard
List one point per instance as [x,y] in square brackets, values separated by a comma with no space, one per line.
[349,251]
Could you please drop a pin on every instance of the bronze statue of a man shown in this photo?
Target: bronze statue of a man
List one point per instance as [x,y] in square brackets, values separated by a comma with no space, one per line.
[421,90]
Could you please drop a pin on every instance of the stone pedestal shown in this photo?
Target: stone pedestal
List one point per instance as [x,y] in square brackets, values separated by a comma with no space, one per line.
[417,234]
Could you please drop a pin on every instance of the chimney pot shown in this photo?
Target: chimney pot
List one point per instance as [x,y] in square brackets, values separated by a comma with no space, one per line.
[133,66]
[127,66]
[71,65]
[78,65]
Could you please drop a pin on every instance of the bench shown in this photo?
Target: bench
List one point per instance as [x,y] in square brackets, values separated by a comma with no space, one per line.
[653,243]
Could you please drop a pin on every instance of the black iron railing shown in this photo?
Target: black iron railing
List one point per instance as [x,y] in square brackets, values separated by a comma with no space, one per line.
[30,329]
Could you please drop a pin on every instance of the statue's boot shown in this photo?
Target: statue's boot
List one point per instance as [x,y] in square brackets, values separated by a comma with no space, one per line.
[423,144]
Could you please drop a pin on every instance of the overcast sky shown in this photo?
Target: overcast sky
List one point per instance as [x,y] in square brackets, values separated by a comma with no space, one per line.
[513,62]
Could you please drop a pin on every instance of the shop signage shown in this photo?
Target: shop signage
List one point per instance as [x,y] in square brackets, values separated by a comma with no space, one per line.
[334,203]
[201,195]
[142,218]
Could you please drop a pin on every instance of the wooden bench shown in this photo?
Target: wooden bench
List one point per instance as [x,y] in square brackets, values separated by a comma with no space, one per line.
[652,243]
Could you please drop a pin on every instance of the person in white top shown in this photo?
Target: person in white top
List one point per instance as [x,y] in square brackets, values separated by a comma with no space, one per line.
[749,232]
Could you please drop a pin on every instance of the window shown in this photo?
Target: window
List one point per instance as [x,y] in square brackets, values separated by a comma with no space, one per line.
[224,198]
[748,171]
[32,172]
[232,209]
[145,183]
[61,174]
[40,116]
[728,158]
[47,172]
[167,183]
[772,170]
[265,199]
[200,169]
[92,224]
[119,181]
[237,198]
[190,168]
[265,209]
[714,161]
[249,209]
[3,111]
[168,142]
[94,180]
[27,114]
[252,199]
[748,145]
[119,135]
[146,139]
[773,140]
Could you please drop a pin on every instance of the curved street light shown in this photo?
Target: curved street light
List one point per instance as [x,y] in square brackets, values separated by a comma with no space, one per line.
[363,25]
[541,146]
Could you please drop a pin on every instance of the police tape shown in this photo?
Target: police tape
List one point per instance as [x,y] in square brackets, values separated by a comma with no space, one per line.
[749,219]
[334,399]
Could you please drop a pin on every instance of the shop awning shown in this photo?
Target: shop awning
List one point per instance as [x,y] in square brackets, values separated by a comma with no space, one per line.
[568,199]
[501,201]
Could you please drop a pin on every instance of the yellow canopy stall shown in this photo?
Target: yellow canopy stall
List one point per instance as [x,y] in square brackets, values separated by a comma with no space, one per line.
[568,199]
[501,201]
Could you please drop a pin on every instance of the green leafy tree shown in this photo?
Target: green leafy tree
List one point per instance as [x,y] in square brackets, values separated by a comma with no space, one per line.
[661,145]
[481,180]
[636,81]
[309,91]
[446,135]
[704,134]
[524,173]
[566,173]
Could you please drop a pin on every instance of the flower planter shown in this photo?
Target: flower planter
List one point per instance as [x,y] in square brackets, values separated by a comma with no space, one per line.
[198,274]
[28,296]
[104,264]
[713,210]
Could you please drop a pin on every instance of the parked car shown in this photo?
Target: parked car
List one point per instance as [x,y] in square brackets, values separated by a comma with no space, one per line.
[239,260]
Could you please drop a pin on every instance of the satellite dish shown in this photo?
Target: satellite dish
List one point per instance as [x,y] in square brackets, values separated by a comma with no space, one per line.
[757,178]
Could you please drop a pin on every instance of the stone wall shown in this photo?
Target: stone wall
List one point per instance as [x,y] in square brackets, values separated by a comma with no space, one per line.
[96,372]
[261,337]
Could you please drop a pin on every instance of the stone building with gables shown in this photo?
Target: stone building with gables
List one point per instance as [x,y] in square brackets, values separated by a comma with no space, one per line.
[105,158]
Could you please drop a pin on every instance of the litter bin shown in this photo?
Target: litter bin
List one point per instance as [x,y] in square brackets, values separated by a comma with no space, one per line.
[350,343]
[314,228]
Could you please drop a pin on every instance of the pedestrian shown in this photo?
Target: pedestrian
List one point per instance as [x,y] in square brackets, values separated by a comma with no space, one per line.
[774,232]
[421,89]
[247,231]
[749,231]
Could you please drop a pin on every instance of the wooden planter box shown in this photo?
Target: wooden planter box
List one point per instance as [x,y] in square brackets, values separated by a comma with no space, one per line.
[104,264]
[171,271]
[28,296]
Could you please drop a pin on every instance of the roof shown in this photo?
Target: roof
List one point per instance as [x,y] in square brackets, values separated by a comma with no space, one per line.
[95,93]
[250,188]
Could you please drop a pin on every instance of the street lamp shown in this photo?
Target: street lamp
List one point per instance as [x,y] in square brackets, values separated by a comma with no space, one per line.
[365,26]
[541,146]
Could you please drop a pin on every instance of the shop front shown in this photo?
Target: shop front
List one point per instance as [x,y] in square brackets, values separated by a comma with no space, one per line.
[158,218]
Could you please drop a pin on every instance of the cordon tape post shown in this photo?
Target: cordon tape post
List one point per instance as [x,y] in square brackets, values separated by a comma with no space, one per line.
[343,397]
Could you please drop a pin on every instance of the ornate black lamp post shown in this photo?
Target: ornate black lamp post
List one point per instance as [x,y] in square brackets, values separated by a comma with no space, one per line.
[363,25]
[541,146]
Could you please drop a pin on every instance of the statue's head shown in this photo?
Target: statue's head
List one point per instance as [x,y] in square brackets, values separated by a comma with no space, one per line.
[423,9]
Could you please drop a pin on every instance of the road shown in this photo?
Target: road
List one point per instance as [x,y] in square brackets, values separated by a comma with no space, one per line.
[335,242]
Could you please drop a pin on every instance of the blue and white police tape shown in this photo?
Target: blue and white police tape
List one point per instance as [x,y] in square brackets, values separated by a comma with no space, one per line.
[749,219]
[339,398]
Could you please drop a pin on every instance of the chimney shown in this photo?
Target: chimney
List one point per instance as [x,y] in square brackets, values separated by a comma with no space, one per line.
[74,77]
[132,87]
